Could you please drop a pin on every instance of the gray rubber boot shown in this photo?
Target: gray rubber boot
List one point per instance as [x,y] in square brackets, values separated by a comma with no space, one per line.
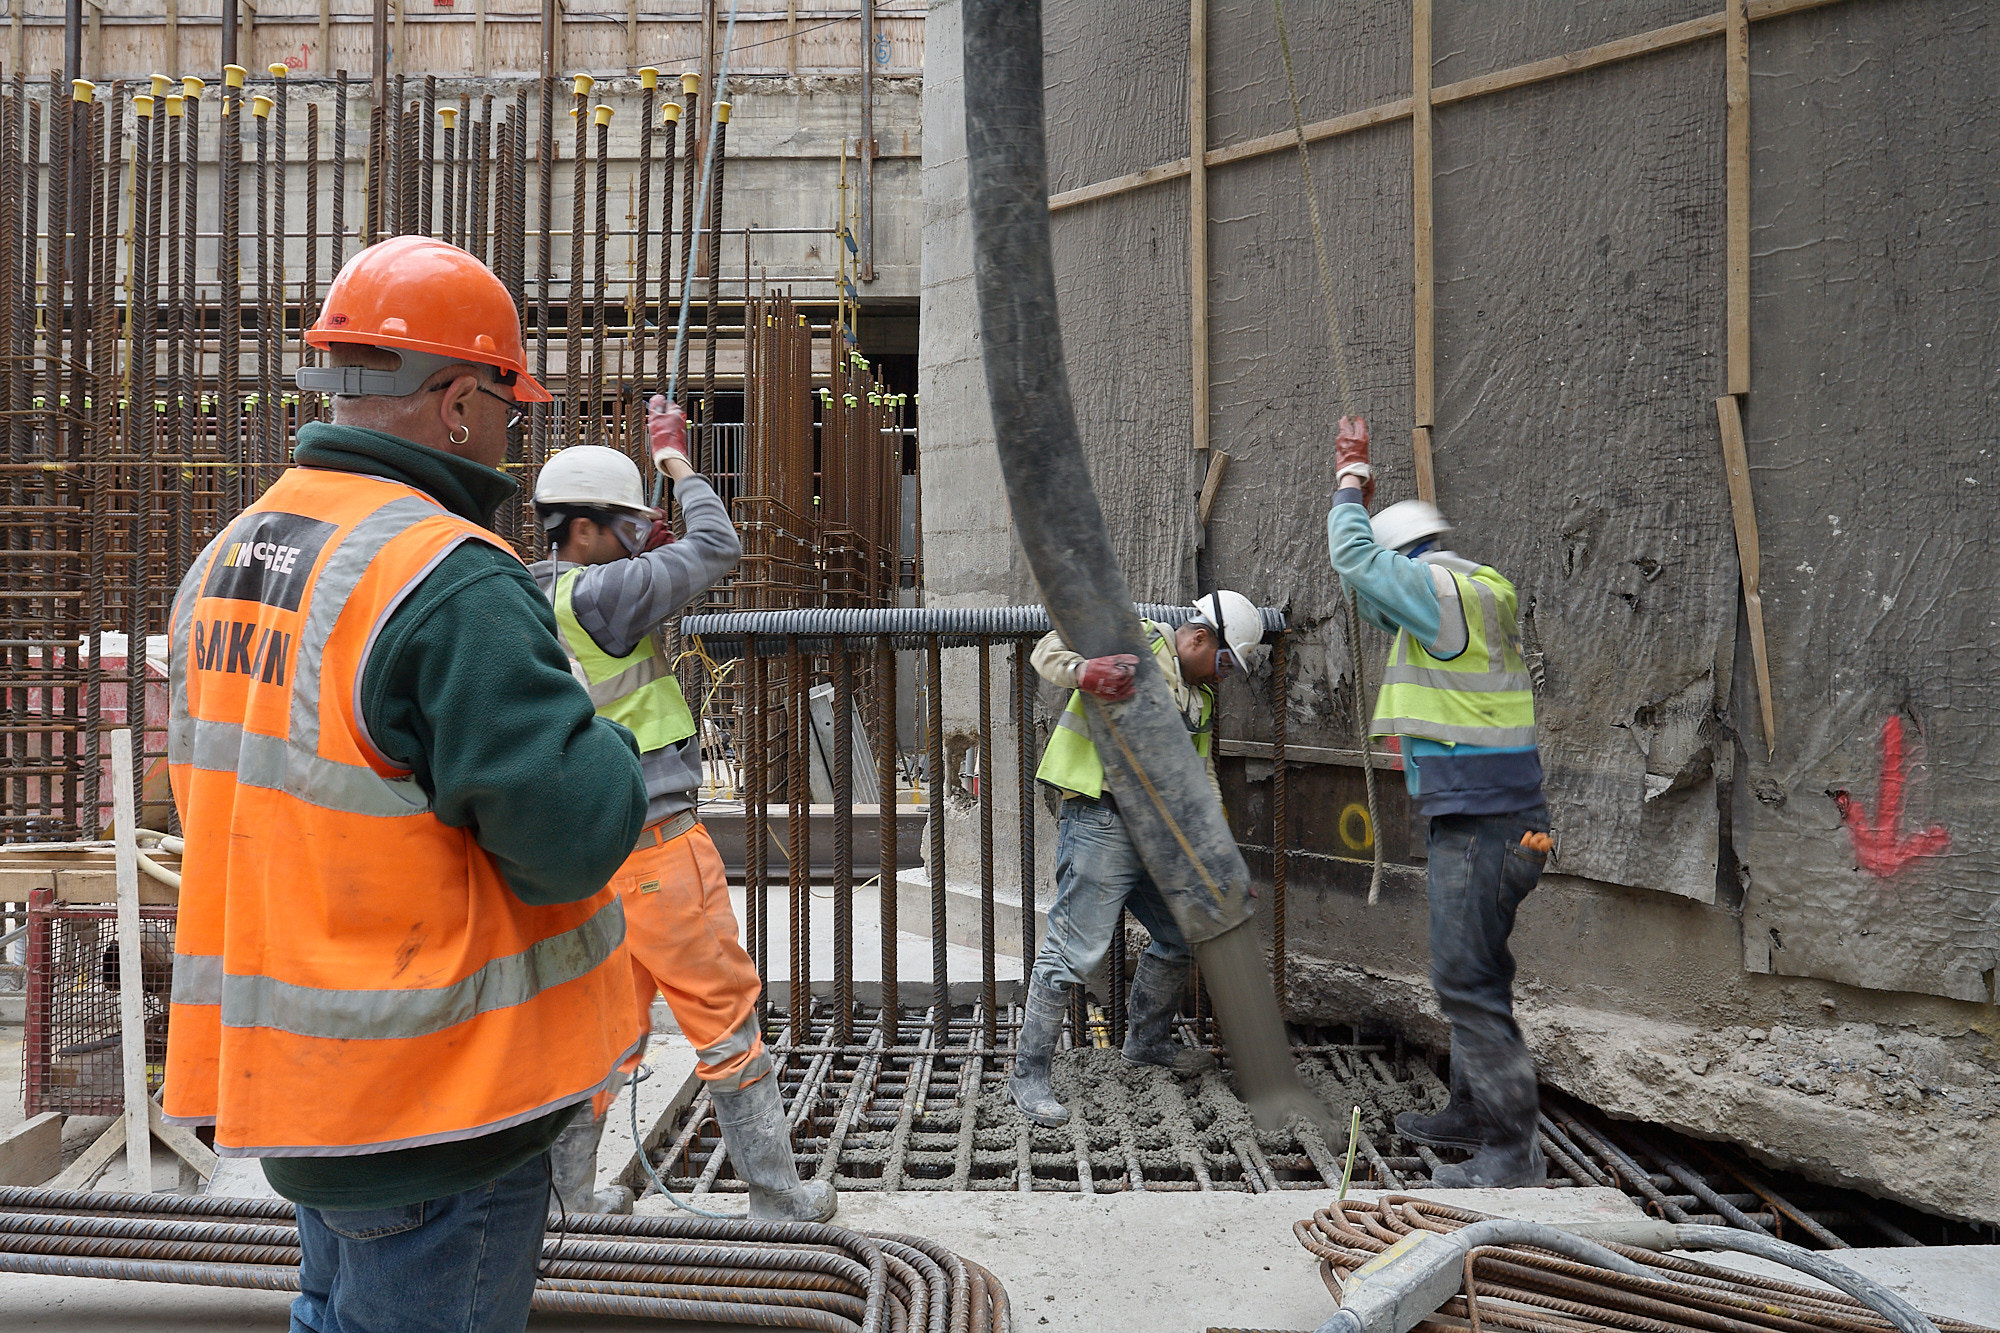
[1157,987]
[1458,1125]
[1041,1028]
[1503,1083]
[573,1170]
[759,1139]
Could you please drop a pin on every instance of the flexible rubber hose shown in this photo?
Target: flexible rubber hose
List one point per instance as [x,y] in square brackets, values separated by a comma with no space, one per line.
[1906,1317]
[1175,821]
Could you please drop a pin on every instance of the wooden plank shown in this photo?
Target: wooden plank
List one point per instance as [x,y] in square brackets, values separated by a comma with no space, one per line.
[1736,156]
[1287,141]
[131,970]
[1423,323]
[1138,180]
[1420,449]
[172,63]
[482,57]
[182,1140]
[1575,62]
[1198,237]
[631,36]
[31,1152]
[84,1171]
[1736,461]
[1309,754]
[792,37]
[1218,463]
[326,34]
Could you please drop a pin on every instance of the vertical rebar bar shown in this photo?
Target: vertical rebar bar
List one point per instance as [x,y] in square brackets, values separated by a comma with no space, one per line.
[276,432]
[545,192]
[573,377]
[449,145]
[711,315]
[843,844]
[374,219]
[90,395]
[229,350]
[1024,776]
[427,170]
[192,334]
[988,989]
[261,443]
[798,784]
[756,818]
[886,826]
[337,227]
[934,713]
[642,229]
[600,243]
[1280,830]
[691,121]
[309,284]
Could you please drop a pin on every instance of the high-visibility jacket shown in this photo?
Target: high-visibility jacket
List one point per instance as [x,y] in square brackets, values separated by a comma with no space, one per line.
[638,691]
[1480,696]
[351,974]
[1071,760]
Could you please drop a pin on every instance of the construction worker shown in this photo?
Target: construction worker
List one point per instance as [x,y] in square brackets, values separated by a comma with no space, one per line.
[398,972]
[616,576]
[1098,871]
[1458,695]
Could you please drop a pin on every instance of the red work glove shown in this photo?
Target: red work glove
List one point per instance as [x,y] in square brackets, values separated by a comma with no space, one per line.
[1350,457]
[666,431]
[661,535]
[1109,678]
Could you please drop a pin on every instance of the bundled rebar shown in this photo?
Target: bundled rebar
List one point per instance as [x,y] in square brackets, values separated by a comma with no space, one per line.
[758,1274]
[1536,1291]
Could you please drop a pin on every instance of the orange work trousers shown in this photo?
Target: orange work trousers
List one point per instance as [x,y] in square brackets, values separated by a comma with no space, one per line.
[681,932]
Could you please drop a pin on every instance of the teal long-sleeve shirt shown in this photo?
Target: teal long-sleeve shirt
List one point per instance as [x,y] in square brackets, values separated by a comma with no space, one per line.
[469,688]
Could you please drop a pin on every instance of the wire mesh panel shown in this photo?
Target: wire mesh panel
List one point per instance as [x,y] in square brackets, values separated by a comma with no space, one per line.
[72,1061]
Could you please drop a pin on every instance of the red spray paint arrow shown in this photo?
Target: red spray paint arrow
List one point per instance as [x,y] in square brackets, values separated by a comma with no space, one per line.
[1879,844]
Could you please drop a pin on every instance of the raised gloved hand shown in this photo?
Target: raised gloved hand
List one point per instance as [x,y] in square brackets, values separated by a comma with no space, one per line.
[1109,678]
[666,431]
[1350,458]
[661,535]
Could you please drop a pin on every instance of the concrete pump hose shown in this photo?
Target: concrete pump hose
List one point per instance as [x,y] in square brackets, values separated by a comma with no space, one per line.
[1906,1317]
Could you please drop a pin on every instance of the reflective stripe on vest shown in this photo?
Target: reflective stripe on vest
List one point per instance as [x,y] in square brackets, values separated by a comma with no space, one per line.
[351,975]
[1482,696]
[638,691]
[1071,760]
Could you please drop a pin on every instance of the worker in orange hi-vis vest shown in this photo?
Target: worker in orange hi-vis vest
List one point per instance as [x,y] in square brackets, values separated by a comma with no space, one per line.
[614,578]
[399,971]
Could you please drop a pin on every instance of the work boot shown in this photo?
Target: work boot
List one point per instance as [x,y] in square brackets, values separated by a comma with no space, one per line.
[759,1139]
[1041,1028]
[1502,1084]
[1458,1125]
[573,1170]
[1157,986]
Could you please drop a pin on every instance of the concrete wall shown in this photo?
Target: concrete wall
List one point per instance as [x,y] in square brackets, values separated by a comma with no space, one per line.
[1712,948]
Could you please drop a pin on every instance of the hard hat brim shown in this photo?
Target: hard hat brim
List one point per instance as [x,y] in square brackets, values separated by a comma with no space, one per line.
[527,389]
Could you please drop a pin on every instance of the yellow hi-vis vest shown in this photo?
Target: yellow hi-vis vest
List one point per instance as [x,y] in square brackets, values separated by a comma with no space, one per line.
[1071,761]
[1482,696]
[637,691]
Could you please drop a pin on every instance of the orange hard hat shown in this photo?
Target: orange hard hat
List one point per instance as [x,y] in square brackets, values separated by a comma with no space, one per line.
[422,295]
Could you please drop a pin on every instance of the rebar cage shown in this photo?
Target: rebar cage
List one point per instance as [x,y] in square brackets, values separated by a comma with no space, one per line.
[72,1057]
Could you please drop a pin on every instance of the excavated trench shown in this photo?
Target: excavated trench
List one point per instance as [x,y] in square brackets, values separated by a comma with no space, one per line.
[929,1111]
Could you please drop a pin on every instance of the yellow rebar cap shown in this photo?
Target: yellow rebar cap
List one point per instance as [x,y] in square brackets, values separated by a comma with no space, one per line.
[260,106]
[671,113]
[143,105]
[278,69]
[233,75]
[175,105]
[82,90]
[690,83]
[602,115]
[584,83]
[722,113]
[192,87]
[649,77]
[160,84]
[449,115]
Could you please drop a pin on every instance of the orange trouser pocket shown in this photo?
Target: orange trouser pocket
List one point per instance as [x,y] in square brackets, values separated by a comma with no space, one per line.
[681,932]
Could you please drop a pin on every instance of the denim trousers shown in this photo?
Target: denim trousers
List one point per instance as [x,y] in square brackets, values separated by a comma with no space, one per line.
[1479,873]
[464,1263]
[1098,874]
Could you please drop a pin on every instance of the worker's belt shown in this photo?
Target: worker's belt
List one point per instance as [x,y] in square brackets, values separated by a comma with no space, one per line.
[664,832]
[1105,799]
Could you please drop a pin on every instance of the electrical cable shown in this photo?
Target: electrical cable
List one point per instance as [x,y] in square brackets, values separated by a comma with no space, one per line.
[639,1147]
[1347,405]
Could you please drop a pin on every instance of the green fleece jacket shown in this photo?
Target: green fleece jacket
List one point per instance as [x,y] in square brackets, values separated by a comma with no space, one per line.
[468,687]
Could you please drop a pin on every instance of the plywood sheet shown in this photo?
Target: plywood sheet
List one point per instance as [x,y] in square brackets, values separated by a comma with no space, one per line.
[1870,431]
[1580,338]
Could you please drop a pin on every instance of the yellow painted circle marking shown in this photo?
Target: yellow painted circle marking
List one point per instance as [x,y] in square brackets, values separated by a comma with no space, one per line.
[1366,837]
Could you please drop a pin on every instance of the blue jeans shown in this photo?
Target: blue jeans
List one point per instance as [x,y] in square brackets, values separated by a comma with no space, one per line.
[1098,874]
[1479,873]
[465,1263]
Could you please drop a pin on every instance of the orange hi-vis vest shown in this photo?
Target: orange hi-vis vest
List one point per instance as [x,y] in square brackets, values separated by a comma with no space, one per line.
[351,975]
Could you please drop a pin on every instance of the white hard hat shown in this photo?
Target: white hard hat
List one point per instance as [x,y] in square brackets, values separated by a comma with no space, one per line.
[1235,617]
[1407,521]
[590,476]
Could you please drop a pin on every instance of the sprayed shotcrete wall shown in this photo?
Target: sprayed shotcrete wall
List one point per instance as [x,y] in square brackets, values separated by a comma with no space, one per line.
[1552,258]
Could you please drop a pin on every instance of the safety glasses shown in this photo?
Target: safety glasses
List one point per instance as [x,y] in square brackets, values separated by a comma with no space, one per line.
[516,412]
